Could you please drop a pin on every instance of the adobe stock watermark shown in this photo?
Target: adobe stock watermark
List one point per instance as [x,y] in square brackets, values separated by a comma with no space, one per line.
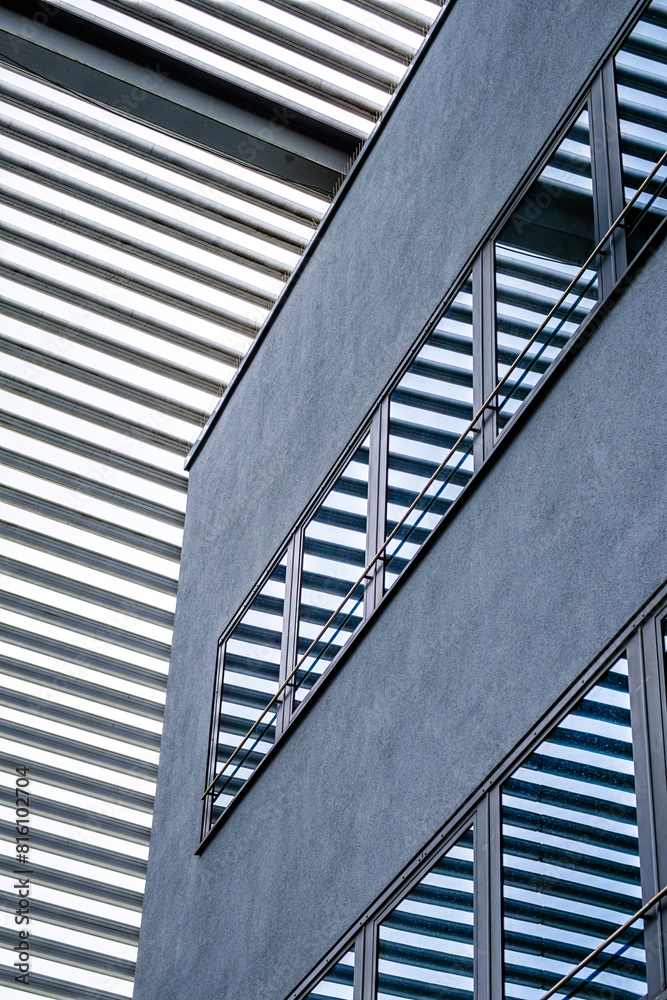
[22,875]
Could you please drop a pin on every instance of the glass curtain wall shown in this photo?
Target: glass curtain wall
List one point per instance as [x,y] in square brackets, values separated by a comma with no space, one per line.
[425,945]
[537,255]
[571,856]
[338,984]
[250,679]
[641,83]
[428,411]
[334,557]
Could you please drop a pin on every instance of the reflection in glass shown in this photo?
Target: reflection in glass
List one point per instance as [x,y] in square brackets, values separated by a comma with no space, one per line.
[425,945]
[538,254]
[250,679]
[570,855]
[338,984]
[334,557]
[641,82]
[428,411]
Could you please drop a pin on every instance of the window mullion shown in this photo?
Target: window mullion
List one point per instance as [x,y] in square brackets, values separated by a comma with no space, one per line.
[214,732]
[365,963]
[482,903]
[483,350]
[655,713]
[607,175]
[290,639]
[377,502]
[640,668]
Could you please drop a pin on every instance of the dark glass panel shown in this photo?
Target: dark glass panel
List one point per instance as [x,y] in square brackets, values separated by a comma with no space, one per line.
[428,411]
[425,945]
[250,679]
[334,558]
[641,85]
[570,855]
[538,254]
[338,984]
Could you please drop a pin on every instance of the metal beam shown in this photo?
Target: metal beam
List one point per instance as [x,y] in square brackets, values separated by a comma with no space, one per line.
[176,98]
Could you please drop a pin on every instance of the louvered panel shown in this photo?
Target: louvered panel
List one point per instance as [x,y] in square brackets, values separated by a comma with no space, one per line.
[425,945]
[539,252]
[570,854]
[334,557]
[279,55]
[428,411]
[135,271]
[641,81]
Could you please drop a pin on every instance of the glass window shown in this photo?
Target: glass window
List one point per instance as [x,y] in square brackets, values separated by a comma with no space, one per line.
[570,854]
[338,984]
[538,253]
[428,411]
[425,945]
[641,84]
[251,665]
[334,557]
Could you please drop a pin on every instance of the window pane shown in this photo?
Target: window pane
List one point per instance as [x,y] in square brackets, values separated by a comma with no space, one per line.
[334,558]
[570,854]
[250,679]
[641,85]
[338,983]
[428,411]
[538,254]
[425,946]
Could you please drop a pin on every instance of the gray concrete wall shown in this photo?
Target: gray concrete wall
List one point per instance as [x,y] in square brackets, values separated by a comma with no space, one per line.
[544,563]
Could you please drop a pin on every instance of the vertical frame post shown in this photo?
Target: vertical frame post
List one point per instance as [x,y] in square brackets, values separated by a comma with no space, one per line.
[651,643]
[484,350]
[290,642]
[211,765]
[607,172]
[640,668]
[377,503]
[365,962]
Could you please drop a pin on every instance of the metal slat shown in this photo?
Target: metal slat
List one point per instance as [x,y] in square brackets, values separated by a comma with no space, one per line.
[84,557]
[97,694]
[373,39]
[83,959]
[41,740]
[113,930]
[102,857]
[85,592]
[328,55]
[86,819]
[55,989]
[138,20]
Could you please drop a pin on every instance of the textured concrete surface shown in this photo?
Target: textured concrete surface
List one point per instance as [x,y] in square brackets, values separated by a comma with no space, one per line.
[542,566]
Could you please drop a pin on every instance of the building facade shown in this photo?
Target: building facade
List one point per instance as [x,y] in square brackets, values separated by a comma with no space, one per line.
[414,738]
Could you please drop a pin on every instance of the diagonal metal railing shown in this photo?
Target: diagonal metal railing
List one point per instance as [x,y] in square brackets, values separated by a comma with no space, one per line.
[381,552]
[641,912]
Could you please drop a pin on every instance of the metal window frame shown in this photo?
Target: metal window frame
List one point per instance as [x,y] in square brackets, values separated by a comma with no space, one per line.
[598,97]
[641,639]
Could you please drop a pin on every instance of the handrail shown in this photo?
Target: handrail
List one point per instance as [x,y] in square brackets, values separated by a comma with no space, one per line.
[601,947]
[471,426]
